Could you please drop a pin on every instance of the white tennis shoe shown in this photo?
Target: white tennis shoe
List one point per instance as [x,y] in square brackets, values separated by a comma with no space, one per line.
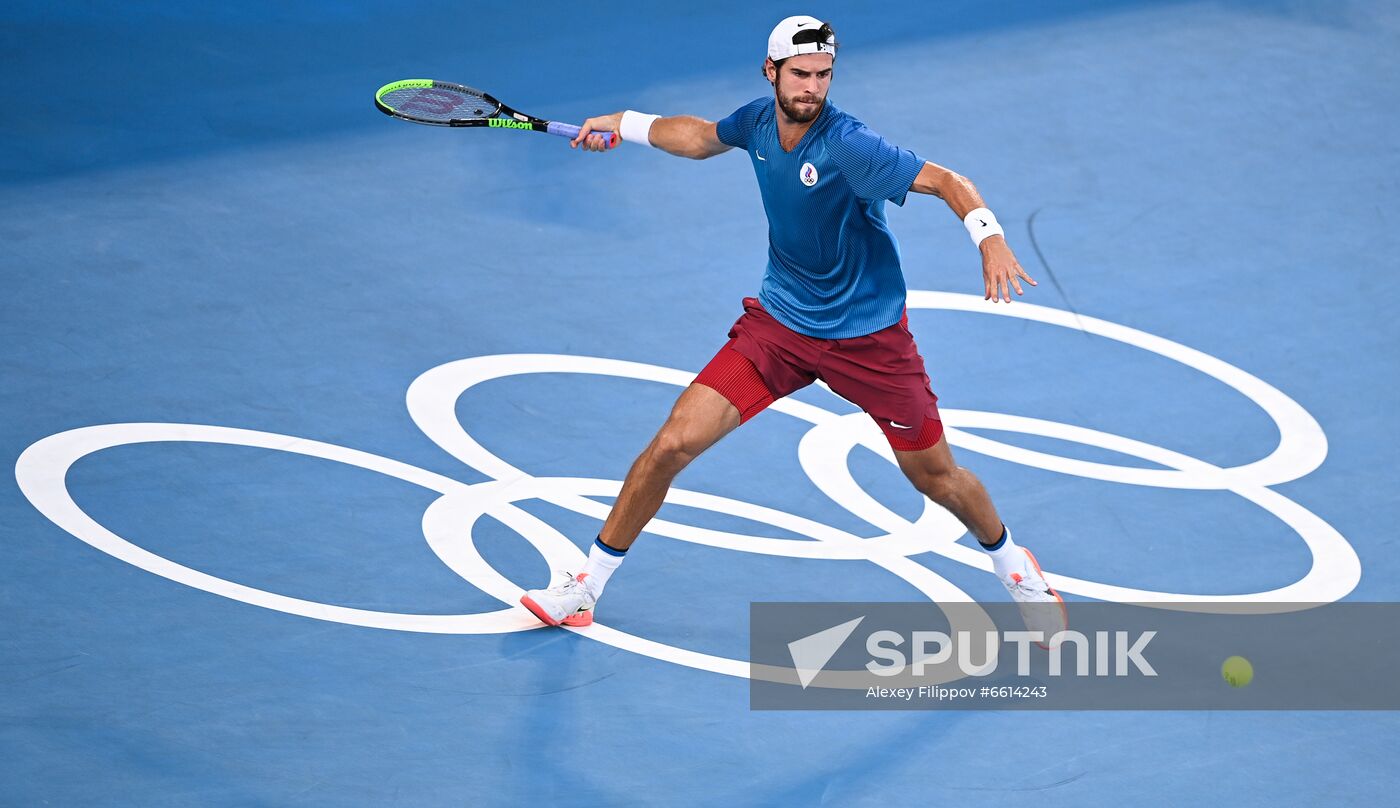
[569,603]
[1041,607]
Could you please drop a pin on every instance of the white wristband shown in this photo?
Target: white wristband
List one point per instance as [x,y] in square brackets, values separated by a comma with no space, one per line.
[636,128]
[981,225]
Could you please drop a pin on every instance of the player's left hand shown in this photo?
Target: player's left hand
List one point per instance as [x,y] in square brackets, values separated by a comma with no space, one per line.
[1000,270]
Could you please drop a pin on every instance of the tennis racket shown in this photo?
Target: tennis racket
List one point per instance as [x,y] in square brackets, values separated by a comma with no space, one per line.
[439,103]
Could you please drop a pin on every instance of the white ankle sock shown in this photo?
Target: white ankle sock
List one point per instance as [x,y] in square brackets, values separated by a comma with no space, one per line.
[1007,557]
[602,562]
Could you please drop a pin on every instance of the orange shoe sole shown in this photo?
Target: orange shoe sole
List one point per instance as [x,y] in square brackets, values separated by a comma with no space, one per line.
[580,619]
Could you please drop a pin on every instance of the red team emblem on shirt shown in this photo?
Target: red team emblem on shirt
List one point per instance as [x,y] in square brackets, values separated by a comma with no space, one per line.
[808,175]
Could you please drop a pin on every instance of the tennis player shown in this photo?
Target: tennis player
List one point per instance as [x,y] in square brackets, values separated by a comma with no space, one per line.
[831,307]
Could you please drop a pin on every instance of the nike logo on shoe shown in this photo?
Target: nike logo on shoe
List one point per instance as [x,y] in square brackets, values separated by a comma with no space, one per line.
[900,426]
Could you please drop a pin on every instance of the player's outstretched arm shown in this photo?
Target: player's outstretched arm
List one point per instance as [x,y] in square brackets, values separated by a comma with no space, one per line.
[681,135]
[1000,270]
[687,136]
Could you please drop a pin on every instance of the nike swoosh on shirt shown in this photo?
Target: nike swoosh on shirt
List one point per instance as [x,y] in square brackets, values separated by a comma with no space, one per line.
[761,157]
[900,426]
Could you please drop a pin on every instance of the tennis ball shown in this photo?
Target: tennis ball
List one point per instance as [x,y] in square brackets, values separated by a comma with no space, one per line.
[1237,671]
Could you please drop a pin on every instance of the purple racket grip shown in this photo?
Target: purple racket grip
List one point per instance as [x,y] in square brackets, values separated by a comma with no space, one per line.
[570,131]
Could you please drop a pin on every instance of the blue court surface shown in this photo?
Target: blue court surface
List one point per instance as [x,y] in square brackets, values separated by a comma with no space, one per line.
[259,340]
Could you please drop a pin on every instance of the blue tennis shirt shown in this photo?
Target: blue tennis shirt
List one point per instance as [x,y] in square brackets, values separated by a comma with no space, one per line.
[833,264]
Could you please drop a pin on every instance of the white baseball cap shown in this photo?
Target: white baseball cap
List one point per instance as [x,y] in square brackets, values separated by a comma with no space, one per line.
[798,35]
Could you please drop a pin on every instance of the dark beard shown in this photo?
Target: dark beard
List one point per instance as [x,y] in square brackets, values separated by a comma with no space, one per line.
[796,113]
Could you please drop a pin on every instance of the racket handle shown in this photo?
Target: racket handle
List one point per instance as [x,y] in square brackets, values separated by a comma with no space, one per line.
[570,131]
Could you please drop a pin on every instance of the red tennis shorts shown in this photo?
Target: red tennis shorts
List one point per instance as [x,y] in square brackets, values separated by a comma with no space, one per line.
[882,373]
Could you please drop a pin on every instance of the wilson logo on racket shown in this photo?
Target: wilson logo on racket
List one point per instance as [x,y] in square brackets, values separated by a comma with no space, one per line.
[506,123]
[433,102]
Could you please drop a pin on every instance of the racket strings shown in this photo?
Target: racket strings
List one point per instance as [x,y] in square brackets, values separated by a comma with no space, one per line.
[440,103]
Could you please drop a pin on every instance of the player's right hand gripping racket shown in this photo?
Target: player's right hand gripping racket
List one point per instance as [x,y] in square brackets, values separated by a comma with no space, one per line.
[440,103]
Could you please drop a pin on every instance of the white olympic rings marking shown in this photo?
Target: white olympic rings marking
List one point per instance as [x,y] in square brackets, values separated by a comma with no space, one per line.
[1302,445]
[447,524]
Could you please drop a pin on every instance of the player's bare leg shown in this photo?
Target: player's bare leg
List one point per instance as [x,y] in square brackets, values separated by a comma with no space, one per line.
[938,477]
[700,417]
